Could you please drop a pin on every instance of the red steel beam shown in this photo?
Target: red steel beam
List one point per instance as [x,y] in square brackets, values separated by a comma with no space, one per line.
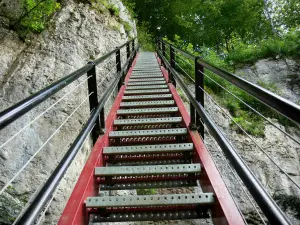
[224,211]
[86,186]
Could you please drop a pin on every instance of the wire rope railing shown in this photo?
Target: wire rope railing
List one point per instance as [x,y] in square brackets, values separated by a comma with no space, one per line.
[248,135]
[43,145]
[254,110]
[198,115]
[243,130]
[93,125]
[43,113]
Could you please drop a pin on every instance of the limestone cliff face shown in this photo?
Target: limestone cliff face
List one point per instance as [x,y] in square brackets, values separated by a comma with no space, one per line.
[76,34]
[283,76]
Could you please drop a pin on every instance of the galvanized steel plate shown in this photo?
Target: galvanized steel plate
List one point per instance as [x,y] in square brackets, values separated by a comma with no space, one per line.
[147,103]
[146,91]
[148,133]
[146,87]
[141,97]
[145,83]
[163,148]
[147,80]
[147,170]
[150,200]
[148,185]
[148,121]
[147,110]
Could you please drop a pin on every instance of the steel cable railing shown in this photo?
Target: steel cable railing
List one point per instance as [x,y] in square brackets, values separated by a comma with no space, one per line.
[252,109]
[43,145]
[43,113]
[248,135]
[267,205]
[240,127]
[93,124]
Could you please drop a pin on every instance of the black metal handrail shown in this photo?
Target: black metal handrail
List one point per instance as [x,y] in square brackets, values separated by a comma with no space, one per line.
[263,199]
[12,113]
[37,204]
[281,105]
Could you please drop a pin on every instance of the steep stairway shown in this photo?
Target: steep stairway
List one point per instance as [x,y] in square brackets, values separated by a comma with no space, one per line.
[149,148]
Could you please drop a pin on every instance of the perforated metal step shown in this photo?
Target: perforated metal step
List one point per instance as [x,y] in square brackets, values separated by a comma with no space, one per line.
[150,200]
[147,111]
[144,76]
[165,148]
[147,103]
[148,133]
[147,170]
[135,92]
[146,83]
[151,216]
[146,97]
[147,121]
[149,185]
[147,80]
[147,87]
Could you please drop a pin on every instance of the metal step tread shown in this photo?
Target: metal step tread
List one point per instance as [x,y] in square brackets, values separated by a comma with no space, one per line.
[163,148]
[148,133]
[166,90]
[147,170]
[147,110]
[149,185]
[147,103]
[145,83]
[141,97]
[147,80]
[146,76]
[146,87]
[148,121]
[150,200]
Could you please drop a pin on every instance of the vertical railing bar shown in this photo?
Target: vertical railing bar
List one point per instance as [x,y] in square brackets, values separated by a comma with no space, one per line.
[93,101]
[199,94]
[173,64]
[118,66]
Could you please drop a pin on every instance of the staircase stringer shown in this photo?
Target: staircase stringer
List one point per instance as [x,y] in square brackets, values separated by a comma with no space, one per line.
[75,210]
[225,210]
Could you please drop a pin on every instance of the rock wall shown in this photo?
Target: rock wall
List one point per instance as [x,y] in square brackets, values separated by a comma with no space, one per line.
[284,74]
[77,33]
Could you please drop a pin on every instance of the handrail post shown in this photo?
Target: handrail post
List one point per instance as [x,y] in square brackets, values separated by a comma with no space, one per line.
[199,93]
[118,66]
[93,100]
[172,63]
[133,44]
[128,55]
[163,50]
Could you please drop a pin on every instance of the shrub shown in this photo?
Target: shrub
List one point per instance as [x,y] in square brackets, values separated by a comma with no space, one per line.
[114,10]
[127,27]
[287,45]
[145,38]
[36,20]
[146,191]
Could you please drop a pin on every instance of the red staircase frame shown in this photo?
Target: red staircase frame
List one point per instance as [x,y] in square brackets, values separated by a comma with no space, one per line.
[225,212]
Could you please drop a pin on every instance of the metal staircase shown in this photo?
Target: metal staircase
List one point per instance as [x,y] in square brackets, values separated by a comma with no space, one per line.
[150,147]
[147,141]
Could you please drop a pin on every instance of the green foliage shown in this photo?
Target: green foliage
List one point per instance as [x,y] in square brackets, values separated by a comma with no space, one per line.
[289,202]
[146,191]
[145,38]
[287,45]
[130,6]
[247,119]
[127,27]
[114,10]
[37,19]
